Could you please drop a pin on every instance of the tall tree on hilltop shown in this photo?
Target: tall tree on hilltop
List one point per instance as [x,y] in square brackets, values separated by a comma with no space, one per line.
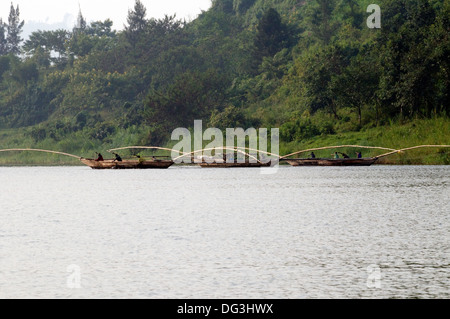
[15,27]
[136,22]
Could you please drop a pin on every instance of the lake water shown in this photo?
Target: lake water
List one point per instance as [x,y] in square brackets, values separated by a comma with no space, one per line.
[188,232]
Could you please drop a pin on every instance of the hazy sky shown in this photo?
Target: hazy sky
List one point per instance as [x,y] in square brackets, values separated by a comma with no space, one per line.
[53,14]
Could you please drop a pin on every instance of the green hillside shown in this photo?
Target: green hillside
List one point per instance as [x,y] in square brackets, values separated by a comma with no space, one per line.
[313,68]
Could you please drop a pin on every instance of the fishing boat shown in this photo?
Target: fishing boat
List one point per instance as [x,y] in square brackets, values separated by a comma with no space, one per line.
[127,164]
[331,162]
[230,165]
[231,162]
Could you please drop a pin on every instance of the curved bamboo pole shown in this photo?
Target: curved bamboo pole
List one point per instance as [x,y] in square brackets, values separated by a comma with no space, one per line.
[215,148]
[171,150]
[187,154]
[39,150]
[340,146]
[252,149]
[408,149]
[142,147]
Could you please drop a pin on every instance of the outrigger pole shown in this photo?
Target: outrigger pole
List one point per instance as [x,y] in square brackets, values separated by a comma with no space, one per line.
[409,148]
[39,150]
[237,149]
[340,146]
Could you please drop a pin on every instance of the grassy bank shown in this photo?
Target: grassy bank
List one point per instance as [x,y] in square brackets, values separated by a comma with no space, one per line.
[78,143]
[396,136]
[418,132]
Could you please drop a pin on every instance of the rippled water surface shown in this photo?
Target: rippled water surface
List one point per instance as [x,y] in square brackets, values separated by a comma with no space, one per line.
[187,232]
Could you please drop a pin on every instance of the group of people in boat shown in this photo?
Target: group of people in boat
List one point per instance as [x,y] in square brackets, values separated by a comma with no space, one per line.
[313,156]
[100,158]
[119,159]
[336,155]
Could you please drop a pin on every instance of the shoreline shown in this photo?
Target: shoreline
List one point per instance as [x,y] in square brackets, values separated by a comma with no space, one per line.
[194,165]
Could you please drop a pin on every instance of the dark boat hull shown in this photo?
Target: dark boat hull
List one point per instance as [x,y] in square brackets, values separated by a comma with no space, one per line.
[331,162]
[127,164]
[233,165]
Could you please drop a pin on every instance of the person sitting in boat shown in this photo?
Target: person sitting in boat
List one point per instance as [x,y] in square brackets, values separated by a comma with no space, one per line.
[336,155]
[141,160]
[358,154]
[99,158]
[118,158]
[345,155]
[313,155]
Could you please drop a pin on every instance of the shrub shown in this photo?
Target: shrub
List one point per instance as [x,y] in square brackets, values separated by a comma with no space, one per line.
[298,130]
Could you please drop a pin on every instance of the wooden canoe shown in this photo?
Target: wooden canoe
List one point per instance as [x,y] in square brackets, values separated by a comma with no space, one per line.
[225,164]
[230,165]
[127,164]
[331,162]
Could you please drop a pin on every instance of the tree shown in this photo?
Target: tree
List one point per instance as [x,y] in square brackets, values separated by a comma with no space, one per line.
[241,6]
[25,72]
[320,70]
[356,86]
[15,27]
[80,45]
[101,28]
[271,36]
[321,19]
[41,57]
[58,39]
[3,41]
[49,42]
[225,6]
[191,95]
[231,116]
[352,12]
[4,65]
[136,22]
[410,70]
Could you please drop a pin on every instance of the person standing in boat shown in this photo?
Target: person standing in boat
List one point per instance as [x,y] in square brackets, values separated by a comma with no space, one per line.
[358,154]
[99,158]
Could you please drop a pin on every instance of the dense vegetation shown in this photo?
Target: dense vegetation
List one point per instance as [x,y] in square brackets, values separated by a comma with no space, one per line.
[312,68]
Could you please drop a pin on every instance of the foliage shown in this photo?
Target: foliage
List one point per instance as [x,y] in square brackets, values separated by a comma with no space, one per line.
[230,117]
[192,95]
[3,40]
[271,36]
